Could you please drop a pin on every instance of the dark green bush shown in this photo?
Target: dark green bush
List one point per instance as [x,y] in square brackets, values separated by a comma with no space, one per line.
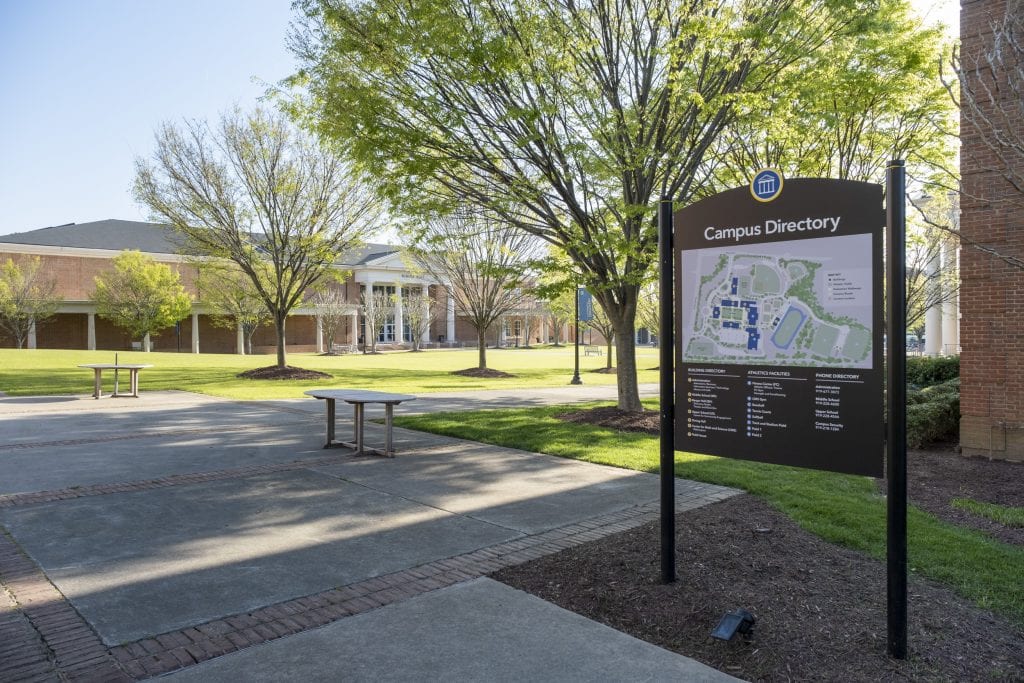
[924,371]
[933,413]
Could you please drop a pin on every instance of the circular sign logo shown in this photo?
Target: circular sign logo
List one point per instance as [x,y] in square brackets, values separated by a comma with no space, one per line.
[766,185]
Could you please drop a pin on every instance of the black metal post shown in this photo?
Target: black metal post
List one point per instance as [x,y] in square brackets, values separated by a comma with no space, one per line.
[576,373]
[896,389]
[666,348]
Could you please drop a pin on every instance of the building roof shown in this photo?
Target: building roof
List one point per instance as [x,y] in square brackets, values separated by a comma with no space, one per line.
[112,234]
[154,238]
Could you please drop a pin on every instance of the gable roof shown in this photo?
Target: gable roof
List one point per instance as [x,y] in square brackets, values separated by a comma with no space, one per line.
[154,238]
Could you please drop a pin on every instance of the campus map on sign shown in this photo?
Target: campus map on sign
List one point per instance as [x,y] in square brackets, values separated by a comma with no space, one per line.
[780,303]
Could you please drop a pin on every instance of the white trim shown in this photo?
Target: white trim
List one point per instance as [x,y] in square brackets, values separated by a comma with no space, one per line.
[82,252]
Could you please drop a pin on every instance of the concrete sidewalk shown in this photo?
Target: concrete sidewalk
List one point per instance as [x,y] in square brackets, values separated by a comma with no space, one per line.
[144,537]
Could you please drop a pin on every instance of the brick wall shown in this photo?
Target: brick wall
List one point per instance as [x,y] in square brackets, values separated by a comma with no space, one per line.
[992,291]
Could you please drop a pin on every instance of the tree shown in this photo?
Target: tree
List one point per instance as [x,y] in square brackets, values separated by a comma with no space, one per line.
[419,313]
[257,192]
[876,94]
[225,288]
[27,298]
[603,325]
[932,279]
[140,295]
[564,119]
[560,312]
[648,312]
[331,308]
[378,307]
[485,260]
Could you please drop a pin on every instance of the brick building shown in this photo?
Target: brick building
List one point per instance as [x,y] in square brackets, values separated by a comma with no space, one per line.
[992,215]
[75,253]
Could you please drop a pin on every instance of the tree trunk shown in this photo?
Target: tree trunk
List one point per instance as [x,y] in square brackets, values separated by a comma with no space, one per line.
[625,347]
[279,321]
[611,340]
[481,336]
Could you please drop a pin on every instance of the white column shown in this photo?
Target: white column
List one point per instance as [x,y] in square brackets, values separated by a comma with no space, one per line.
[368,331]
[32,335]
[951,308]
[147,344]
[353,329]
[933,316]
[399,315]
[195,333]
[91,334]
[239,340]
[449,332]
[319,334]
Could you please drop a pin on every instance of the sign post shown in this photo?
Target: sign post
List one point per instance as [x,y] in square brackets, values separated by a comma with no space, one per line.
[896,438]
[667,403]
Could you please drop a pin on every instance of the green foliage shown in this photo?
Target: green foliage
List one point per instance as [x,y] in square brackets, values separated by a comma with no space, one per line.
[933,413]
[27,298]
[568,120]
[1006,515]
[842,509]
[140,295]
[924,371]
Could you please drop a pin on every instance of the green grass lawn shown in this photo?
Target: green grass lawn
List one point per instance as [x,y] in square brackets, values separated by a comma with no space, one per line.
[843,509]
[49,372]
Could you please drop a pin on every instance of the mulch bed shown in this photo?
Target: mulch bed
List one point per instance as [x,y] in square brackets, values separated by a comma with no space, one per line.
[936,477]
[820,609]
[287,372]
[606,371]
[610,416]
[487,373]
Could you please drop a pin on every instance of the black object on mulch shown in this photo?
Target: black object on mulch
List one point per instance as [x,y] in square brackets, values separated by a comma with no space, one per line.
[287,372]
[482,372]
[820,609]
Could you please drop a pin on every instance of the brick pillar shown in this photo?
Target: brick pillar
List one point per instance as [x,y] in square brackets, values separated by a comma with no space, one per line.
[992,291]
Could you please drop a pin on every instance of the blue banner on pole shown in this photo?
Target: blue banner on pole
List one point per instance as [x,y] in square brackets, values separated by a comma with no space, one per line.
[586,305]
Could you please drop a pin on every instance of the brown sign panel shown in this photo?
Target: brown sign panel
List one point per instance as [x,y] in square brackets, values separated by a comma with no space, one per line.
[779,325]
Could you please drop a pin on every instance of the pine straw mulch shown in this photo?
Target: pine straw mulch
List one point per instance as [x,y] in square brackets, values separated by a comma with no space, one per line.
[821,608]
[287,372]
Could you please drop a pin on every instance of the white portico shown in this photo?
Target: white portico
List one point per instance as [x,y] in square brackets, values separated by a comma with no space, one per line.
[389,276]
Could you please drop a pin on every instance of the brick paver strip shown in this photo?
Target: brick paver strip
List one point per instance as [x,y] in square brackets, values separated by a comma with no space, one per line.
[51,636]
[57,638]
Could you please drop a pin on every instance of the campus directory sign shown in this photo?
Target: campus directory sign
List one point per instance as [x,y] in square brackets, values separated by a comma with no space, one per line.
[779,324]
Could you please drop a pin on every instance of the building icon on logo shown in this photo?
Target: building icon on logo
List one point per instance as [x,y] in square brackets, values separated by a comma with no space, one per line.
[766,185]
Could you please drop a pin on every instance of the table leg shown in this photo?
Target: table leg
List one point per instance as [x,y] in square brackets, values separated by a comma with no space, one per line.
[359,428]
[134,381]
[389,411]
[330,422]
[97,383]
[116,388]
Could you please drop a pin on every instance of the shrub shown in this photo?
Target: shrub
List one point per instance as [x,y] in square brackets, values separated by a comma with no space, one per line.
[924,371]
[933,413]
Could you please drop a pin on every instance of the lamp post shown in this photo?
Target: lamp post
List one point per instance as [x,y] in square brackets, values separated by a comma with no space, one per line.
[576,373]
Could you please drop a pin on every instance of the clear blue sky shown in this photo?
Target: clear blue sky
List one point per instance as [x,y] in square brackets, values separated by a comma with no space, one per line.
[84,84]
